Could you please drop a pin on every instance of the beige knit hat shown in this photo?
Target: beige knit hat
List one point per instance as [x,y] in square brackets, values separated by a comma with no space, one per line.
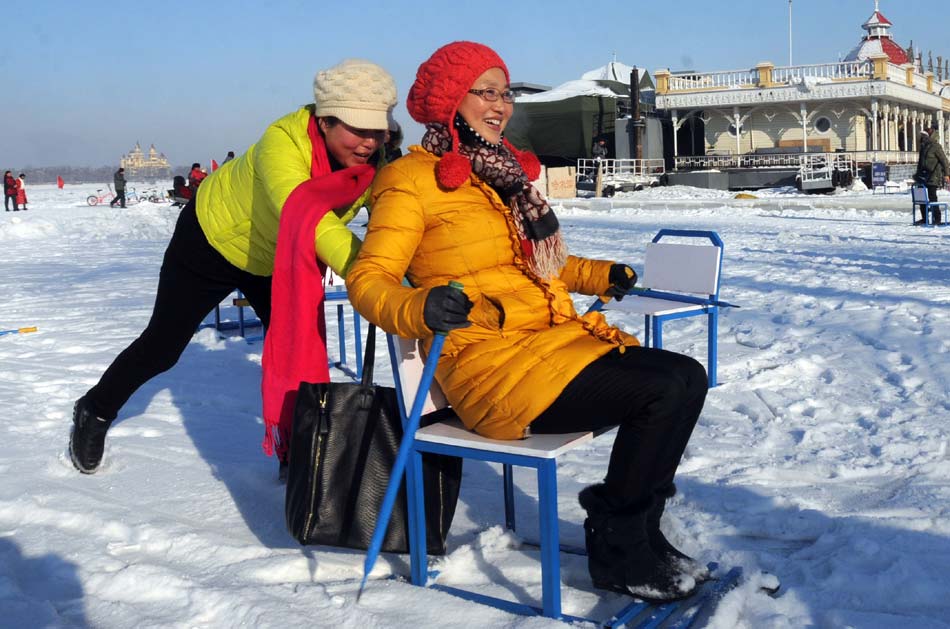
[358,92]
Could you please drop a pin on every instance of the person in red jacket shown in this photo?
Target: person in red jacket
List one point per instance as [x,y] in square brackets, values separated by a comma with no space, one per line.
[21,191]
[9,191]
[196,176]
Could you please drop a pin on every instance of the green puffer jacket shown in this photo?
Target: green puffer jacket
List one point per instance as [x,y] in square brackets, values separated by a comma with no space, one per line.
[933,158]
[239,204]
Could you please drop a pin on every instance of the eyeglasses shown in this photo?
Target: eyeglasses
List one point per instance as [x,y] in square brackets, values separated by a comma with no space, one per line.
[492,95]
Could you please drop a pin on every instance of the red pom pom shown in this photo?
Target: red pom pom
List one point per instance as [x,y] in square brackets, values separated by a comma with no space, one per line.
[528,160]
[531,164]
[453,170]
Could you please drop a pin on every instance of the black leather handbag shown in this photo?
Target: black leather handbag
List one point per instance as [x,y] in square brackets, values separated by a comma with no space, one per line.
[344,443]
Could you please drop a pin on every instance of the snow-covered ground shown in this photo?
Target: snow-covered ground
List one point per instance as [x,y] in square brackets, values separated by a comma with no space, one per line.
[821,458]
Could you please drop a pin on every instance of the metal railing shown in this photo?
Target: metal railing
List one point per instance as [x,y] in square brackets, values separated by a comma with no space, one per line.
[821,166]
[789,160]
[621,171]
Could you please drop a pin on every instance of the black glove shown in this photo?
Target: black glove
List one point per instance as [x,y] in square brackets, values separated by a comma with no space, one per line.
[446,308]
[622,278]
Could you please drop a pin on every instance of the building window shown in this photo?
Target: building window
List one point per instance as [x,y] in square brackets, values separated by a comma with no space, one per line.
[732,129]
[823,125]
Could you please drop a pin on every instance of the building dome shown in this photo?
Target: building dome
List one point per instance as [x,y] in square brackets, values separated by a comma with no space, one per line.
[878,40]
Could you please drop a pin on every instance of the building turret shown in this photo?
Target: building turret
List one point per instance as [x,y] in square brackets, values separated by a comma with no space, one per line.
[878,40]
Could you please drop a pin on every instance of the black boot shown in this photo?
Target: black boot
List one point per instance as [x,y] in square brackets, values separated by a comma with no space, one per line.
[88,438]
[662,547]
[619,555]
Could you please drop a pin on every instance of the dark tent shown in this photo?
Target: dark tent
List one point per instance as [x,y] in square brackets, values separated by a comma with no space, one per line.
[560,125]
[561,131]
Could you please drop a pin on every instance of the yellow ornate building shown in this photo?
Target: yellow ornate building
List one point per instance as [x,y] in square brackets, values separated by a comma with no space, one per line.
[136,164]
[869,107]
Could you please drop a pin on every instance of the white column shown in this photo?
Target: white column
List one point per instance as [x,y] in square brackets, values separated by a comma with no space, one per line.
[897,128]
[737,123]
[906,119]
[886,131]
[874,144]
[676,128]
[751,133]
[913,131]
[804,114]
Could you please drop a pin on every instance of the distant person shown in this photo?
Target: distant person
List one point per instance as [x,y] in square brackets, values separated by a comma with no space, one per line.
[312,168]
[21,191]
[932,170]
[180,189]
[599,150]
[393,141]
[229,157]
[118,180]
[196,176]
[9,191]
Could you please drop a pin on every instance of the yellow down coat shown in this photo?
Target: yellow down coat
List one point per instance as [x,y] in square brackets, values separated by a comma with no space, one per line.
[526,341]
[239,205]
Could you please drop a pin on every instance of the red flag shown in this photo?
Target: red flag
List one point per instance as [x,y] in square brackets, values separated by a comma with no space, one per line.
[59,182]
[214,165]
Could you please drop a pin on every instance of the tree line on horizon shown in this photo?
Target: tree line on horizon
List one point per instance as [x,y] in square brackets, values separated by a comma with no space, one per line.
[86,174]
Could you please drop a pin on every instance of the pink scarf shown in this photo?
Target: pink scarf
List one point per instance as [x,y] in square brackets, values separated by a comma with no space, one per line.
[295,348]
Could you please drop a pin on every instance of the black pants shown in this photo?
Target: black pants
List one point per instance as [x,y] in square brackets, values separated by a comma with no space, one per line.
[6,202]
[932,195]
[119,198]
[654,396]
[194,278]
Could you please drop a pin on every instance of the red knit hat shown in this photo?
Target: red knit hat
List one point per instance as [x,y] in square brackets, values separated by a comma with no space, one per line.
[441,83]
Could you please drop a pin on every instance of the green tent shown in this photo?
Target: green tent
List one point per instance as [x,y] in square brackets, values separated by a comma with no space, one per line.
[563,130]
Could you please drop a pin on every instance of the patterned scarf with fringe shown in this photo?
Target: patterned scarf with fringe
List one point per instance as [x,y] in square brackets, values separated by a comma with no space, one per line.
[538,228]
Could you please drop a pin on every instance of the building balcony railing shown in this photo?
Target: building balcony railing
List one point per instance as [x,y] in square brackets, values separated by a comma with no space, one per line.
[733,79]
[766,75]
[843,70]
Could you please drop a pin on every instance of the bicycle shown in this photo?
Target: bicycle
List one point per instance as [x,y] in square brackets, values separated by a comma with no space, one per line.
[154,196]
[100,197]
[132,197]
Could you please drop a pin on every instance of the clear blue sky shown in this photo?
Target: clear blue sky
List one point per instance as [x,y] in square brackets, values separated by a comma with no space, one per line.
[84,80]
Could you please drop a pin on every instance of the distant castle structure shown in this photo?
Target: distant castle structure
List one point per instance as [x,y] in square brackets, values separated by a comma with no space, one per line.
[136,164]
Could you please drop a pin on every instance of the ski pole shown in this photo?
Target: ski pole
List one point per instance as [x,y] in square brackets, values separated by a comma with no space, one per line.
[405,447]
[19,330]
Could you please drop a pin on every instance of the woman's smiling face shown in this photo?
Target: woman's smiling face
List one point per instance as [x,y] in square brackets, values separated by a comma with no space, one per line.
[348,145]
[487,118]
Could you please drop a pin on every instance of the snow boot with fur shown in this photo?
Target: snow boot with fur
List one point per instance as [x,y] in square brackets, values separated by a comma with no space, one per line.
[87,441]
[662,547]
[619,555]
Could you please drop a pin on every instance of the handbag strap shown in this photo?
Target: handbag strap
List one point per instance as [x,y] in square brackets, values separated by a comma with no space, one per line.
[369,356]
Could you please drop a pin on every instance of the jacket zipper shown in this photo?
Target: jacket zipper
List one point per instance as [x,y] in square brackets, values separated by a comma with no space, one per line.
[322,429]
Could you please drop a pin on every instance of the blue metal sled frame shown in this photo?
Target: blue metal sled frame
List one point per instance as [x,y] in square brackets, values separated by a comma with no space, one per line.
[647,615]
